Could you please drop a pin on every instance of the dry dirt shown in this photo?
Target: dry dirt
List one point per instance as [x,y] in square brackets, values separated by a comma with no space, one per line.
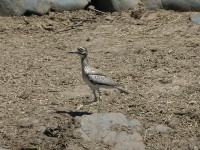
[155,54]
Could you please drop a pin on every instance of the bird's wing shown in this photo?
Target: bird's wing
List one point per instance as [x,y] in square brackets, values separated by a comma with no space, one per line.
[94,71]
[101,80]
[98,77]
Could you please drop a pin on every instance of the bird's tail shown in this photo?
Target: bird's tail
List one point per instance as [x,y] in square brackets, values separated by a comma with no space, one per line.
[123,90]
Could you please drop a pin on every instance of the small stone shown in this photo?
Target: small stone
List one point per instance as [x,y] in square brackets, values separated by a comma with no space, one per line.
[42,129]
[159,128]
[36,142]
[196,148]
[1,148]
[27,122]
[109,18]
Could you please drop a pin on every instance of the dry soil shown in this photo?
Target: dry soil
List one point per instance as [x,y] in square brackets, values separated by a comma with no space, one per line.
[155,54]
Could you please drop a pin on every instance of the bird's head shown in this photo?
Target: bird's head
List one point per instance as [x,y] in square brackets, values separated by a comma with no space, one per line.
[80,51]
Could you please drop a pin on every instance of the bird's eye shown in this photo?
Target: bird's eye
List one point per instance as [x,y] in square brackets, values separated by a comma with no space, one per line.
[81,50]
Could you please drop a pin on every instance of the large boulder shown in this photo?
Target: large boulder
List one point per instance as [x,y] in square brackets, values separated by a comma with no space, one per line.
[195,18]
[178,5]
[109,128]
[115,5]
[40,7]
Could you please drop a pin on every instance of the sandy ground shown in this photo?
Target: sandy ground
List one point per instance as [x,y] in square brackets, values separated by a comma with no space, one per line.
[155,54]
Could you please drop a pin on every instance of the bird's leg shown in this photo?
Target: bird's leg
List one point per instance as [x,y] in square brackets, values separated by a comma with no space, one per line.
[91,102]
[95,95]
[99,98]
[99,94]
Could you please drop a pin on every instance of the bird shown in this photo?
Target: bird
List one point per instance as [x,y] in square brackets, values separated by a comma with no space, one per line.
[93,77]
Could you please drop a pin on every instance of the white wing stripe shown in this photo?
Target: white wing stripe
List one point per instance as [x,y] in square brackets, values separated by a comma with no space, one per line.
[102,80]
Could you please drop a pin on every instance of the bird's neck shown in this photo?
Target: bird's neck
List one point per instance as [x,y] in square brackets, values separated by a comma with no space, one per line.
[84,61]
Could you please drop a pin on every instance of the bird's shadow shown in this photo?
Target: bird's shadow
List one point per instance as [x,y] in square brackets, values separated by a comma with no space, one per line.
[73,113]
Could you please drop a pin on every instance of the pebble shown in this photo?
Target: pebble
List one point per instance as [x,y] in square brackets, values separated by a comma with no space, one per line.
[1,148]
[109,18]
[27,122]
[42,129]
[159,128]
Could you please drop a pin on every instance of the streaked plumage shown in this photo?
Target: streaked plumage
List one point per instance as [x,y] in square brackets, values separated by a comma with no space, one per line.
[93,77]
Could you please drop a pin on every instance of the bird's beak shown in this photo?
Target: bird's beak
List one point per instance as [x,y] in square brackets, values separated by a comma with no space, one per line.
[73,51]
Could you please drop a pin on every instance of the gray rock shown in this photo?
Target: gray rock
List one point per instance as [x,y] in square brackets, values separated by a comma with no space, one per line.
[115,5]
[99,123]
[97,127]
[122,140]
[134,122]
[62,5]
[109,18]
[159,128]
[179,5]
[129,146]
[27,122]
[1,148]
[42,129]
[196,148]
[195,18]
[10,7]
[21,7]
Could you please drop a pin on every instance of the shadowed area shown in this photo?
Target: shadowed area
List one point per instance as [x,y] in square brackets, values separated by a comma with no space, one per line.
[73,114]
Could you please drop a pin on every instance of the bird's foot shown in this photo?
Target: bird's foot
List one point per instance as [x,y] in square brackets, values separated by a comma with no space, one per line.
[79,107]
[87,103]
[91,103]
[100,99]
